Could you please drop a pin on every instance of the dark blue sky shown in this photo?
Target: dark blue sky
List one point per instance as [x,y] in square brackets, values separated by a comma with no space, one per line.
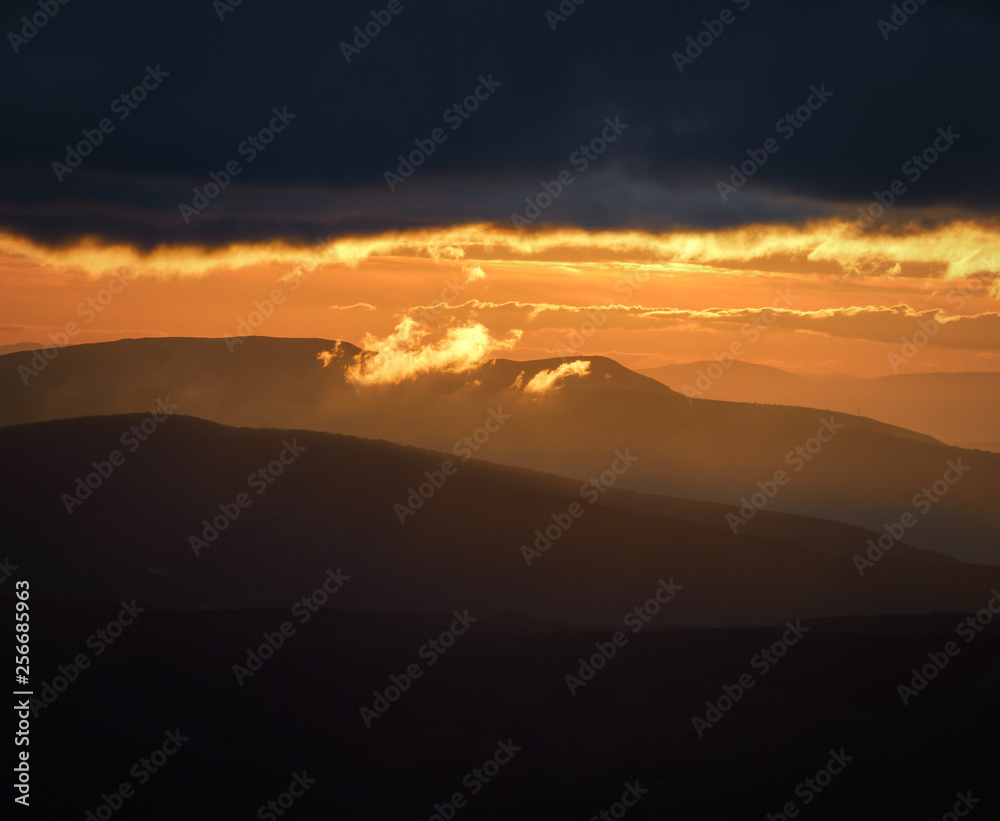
[325,172]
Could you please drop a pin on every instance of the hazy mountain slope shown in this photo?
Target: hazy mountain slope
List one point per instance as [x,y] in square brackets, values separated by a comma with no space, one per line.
[272,381]
[869,474]
[959,408]
[249,379]
[333,507]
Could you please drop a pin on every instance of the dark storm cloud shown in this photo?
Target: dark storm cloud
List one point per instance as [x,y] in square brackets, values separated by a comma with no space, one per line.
[216,82]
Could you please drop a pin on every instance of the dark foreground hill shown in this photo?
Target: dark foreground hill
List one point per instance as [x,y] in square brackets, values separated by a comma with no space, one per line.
[447,679]
[834,693]
[201,515]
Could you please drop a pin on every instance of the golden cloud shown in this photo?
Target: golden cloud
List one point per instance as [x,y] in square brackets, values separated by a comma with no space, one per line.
[406,353]
[953,250]
[877,323]
[547,380]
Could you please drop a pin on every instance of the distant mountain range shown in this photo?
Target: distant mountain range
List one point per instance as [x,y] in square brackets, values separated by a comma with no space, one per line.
[20,346]
[869,474]
[959,408]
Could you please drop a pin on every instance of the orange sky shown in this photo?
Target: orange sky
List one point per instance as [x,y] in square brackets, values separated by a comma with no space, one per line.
[848,301]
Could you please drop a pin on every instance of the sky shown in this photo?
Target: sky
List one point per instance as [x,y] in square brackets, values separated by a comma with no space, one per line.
[651,182]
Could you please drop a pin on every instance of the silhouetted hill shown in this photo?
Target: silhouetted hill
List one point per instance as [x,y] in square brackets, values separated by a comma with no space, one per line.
[869,474]
[835,689]
[333,506]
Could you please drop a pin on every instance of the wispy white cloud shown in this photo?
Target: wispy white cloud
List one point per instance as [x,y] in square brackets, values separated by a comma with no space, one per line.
[547,380]
[407,353]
